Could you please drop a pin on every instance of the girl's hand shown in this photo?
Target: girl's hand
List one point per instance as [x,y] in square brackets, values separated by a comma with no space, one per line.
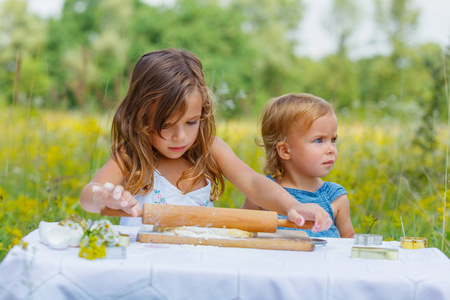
[311,212]
[115,197]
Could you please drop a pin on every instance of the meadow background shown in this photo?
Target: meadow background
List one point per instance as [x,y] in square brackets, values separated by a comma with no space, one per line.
[62,77]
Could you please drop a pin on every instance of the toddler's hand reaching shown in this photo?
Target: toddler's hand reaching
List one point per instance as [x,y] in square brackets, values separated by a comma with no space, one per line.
[311,212]
[116,198]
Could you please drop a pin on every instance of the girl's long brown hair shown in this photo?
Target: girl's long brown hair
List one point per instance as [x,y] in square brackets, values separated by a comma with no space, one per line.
[160,83]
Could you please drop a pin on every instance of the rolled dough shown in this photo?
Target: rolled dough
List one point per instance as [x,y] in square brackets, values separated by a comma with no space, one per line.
[194,231]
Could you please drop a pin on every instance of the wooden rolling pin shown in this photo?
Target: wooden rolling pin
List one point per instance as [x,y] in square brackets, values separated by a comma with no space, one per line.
[182,215]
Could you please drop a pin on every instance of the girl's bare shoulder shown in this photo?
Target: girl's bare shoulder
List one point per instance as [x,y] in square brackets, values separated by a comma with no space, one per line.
[218,144]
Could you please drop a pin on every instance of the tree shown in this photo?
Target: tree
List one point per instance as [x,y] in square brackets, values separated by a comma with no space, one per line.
[398,20]
[383,77]
[87,49]
[342,79]
[69,52]
[22,36]
[212,31]
[270,25]
[342,21]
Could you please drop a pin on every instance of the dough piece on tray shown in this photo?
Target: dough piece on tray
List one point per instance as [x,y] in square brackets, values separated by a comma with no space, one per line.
[207,232]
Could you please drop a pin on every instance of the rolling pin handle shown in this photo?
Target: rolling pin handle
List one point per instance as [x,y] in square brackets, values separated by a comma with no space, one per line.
[289,224]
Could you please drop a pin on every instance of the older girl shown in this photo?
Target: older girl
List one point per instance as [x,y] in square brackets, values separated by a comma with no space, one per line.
[164,149]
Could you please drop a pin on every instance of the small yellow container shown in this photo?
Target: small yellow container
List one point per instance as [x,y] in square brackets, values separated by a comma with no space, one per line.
[124,240]
[413,242]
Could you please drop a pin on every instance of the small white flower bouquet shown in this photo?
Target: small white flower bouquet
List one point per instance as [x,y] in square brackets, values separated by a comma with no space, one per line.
[93,237]
[98,236]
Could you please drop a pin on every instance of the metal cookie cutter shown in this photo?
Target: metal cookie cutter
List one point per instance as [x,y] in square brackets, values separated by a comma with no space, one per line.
[368,239]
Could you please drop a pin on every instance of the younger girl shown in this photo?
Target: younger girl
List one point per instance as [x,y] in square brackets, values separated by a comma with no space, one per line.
[164,149]
[299,133]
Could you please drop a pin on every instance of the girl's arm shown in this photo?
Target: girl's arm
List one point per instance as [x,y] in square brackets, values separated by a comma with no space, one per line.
[264,192]
[248,204]
[106,189]
[341,209]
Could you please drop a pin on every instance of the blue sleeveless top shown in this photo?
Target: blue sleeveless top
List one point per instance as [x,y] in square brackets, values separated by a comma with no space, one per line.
[323,197]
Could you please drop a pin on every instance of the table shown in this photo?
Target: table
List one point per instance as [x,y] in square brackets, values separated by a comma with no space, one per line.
[159,271]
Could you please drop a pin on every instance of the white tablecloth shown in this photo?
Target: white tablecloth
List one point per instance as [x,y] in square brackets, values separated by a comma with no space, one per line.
[159,271]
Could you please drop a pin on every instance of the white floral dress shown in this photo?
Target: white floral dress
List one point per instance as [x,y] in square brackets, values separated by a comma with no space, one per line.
[164,192]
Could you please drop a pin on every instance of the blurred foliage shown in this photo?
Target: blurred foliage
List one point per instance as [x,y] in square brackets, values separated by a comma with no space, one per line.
[82,58]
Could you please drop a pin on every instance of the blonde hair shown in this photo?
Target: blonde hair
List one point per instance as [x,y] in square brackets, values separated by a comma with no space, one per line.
[160,83]
[280,116]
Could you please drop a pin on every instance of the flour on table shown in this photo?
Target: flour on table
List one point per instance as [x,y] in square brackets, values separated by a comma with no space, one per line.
[203,232]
